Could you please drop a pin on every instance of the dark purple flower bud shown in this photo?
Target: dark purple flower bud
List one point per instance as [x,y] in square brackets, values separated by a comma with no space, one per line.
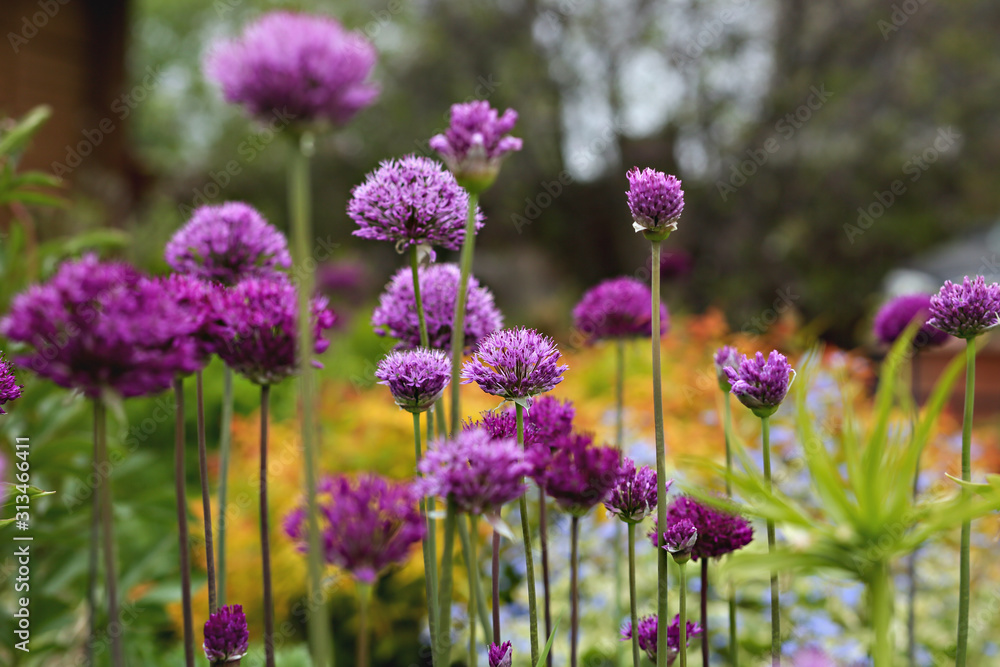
[719,531]
[501,656]
[679,539]
[416,378]
[476,143]
[761,384]
[574,472]
[893,318]
[9,388]
[412,201]
[227,243]
[618,308]
[966,310]
[226,635]
[725,357]
[633,496]
[647,635]
[515,364]
[656,201]
[295,67]
[396,313]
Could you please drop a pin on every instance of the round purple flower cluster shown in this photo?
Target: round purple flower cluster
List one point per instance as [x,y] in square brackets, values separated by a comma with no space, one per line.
[618,308]
[514,364]
[227,637]
[966,310]
[367,524]
[633,497]
[893,318]
[476,472]
[256,329]
[719,531]
[647,635]
[679,539]
[416,378]
[411,201]
[500,656]
[227,243]
[10,390]
[289,66]
[574,472]
[656,201]
[476,142]
[396,313]
[761,384]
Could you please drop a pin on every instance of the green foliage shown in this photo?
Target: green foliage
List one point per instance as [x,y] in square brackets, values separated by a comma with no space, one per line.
[22,188]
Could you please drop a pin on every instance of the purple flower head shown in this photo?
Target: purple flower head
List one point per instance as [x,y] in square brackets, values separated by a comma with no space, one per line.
[656,201]
[256,333]
[367,524]
[196,300]
[514,364]
[577,474]
[633,496]
[719,532]
[396,313]
[416,378]
[9,388]
[893,318]
[501,656]
[761,384]
[227,243]
[647,635]
[289,66]
[679,539]
[411,201]
[618,308]
[725,357]
[96,326]
[500,424]
[227,637]
[547,420]
[473,470]
[966,310]
[476,143]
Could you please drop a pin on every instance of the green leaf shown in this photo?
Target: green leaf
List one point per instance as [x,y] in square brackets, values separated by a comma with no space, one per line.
[548,645]
[14,141]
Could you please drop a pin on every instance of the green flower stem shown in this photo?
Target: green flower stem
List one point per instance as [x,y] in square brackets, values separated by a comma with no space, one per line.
[574,589]
[421,316]
[206,497]
[727,426]
[430,582]
[364,599]
[495,576]
[458,324]
[182,523]
[475,594]
[102,464]
[301,216]
[619,444]
[964,573]
[265,531]
[682,570]
[911,562]
[704,612]
[469,554]
[662,609]
[543,539]
[765,426]
[447,563]
[529,563]
[632,596]
[225,436]
[880,590]
[92,567]
[432,566]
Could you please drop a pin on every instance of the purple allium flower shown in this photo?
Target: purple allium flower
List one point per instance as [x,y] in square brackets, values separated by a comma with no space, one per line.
[761,384]
[633,496]
[396,313]
[411,201]
[656,201]
[966,310]
[618,308]
[304,67]
[514,364]
[416,378]
[367,524]
[96,326]
[500,424]
[719,532]
[679,539]
[547,420]
[227,637]
[197,300]
[501,656]
[577,474]
[10,390]
[725,357]
[227,243]
[476,143]
[893,318]
[256,334]
[476,472]
[647,635]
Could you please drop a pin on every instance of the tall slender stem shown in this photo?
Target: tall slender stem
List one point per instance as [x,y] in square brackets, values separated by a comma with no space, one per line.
[430,583]
[704,612]
[574,589]
[92,567]
[467,553]
[421,316]
[682,644]
[765,426]
[364,598]
[432,548]
[727,426]
[543,539]
[495,576]
[880,589]
[633,611]
[529,561]
[265,531]
[206,498]
[661,465]
[225,437]
[619,445]
[301,216]
[182,523]
[447,562]
[103,470]
[964,569]
[458,324]
[911,562]
[471,565]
